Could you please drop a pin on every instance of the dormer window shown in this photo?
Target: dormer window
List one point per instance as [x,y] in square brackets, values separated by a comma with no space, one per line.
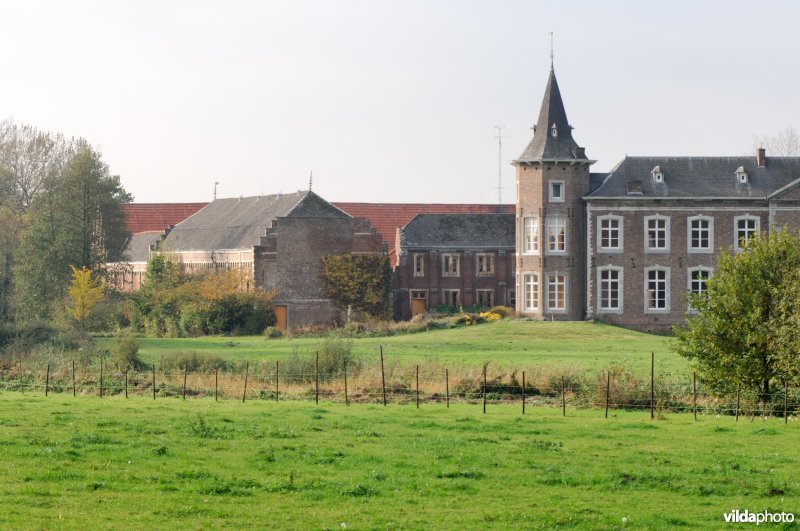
[658,175]
[554,131]
[741,175]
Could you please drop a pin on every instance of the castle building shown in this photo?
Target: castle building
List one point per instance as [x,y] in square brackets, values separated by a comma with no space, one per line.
[625,247]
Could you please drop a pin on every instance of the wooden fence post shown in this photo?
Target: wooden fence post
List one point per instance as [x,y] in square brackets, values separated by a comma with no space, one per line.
[563,398]
[246,370]
[694,394]
[447,388]
[785,402]
[316,379]
[383,378]
[417,386]
[154,381]
[47,381]
[101,377]
[185,370]
[484,388]
[216,383]
[73,377]
[346,401]
[277,380]
[652,385]
[738,396]
[523,392]
[608,390]
[126,383]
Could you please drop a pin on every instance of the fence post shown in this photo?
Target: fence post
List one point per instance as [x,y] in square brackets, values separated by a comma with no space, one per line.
[277,380]
[216,383]
[73,377]
[523,392]
[316,379]
[246,370]
[694,394]
[738,396]
[484,388]
[652,385]
[101,377]
[608,390]
[346,401]
[47,381]
[126,383]
[785,402]
[154,381]
[417,386]
[185,370]
[447,388]
[383,378]
[563,398]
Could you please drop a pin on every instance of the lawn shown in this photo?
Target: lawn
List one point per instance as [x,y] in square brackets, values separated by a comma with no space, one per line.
[517,343]
[87,462]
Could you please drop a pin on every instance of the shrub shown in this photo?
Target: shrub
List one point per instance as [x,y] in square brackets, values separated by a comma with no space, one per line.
[335,354]
[125,352]
[272,332]
[192,361]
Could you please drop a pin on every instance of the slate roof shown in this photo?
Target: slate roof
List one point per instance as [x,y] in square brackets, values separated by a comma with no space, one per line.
[137,248]
[544,146]
[686,177]
[459,231]
[239,223]
[145,217]
[388,217]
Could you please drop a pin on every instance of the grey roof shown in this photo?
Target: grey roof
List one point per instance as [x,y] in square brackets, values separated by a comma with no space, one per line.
[544,146]
[459,231]
[700,177]
[240,223]
[137,248]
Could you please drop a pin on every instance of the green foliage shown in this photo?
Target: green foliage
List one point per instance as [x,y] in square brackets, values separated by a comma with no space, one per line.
[335,355]
[360,281]
[85,291]
[125,353]
[192,361]
[172,304]
[742,330]
[78,221]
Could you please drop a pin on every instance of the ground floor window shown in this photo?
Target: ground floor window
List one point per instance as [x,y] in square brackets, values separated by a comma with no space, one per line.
[485,298]
[531,290]
[657,289]
[556,291]
[451,297]
[610,286]
[511,298]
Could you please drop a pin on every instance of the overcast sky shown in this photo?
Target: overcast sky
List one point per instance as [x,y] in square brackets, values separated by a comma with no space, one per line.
[389,101]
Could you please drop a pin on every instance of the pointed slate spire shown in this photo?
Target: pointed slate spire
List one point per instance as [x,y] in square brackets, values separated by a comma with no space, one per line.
[552,135]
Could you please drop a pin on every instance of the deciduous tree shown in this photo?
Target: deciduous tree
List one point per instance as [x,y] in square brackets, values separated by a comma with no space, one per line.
[85,291]
[361,281]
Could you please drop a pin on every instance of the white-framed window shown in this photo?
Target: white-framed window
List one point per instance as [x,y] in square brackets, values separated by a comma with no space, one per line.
[485,297]
[700,234]
[419,265]
[556,234]
[609,289]
[531,235]
[485,264]
[609,233]
[530,283]
[745,227]
[451,297]
[656,289]
[511,298]
[556,191]
[656,234]
[451,265]
[556,292]
[697,279]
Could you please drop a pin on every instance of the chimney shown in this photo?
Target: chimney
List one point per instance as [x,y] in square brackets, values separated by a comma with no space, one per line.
[761,157]
[580,152]
[635,187]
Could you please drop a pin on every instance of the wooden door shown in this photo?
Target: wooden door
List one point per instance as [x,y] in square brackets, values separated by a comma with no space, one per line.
[417,306]
[280,315]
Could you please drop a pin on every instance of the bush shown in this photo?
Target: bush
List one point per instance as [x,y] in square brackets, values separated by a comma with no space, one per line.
[192,361]
[125,352]
[335,354]
[272,332]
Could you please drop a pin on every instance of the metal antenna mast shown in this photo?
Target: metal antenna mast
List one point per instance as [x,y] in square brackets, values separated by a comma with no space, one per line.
[499,138]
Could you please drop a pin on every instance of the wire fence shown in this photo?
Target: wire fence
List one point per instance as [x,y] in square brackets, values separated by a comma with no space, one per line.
[614,389]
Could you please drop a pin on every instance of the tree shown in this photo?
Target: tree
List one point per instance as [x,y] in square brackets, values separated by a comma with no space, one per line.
[361,281]
[741,329]
[85,291]
[77,221]
[785,144]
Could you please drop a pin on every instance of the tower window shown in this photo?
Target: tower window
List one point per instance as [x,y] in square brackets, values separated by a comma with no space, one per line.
[557,191]
[554,131]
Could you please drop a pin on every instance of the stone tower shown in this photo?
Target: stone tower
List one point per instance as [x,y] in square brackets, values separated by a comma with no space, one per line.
[552,178]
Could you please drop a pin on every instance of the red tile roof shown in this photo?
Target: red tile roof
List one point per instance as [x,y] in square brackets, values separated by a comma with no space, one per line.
[387,217]
[146,217]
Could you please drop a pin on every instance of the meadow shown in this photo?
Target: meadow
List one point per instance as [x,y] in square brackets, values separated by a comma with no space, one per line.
[89,462]
[506,343]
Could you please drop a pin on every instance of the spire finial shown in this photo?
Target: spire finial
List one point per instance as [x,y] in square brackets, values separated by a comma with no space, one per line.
[551,50]
[310,180]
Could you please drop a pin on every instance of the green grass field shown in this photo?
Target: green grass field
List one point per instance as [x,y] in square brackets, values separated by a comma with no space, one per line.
[517,343]
[90,463]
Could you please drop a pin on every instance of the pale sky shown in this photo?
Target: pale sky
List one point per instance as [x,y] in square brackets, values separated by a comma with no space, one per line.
[389,101]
